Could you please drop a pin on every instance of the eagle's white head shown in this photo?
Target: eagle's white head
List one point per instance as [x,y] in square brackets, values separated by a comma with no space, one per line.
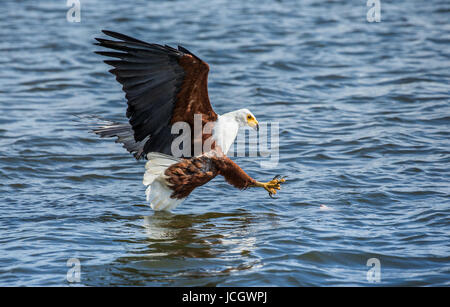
[245,118]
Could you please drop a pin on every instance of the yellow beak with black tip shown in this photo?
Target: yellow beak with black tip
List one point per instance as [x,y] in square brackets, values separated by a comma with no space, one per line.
[252,122]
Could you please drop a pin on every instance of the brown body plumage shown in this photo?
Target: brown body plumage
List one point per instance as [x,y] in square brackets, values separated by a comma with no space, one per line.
[191,173]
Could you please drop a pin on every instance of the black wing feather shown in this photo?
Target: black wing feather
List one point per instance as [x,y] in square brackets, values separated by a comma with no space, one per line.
[151,78]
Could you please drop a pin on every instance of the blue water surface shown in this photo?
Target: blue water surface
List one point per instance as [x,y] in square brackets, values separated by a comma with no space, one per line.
[364,128]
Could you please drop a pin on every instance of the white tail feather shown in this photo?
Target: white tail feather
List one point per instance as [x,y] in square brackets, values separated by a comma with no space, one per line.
[158,192]
[156,166]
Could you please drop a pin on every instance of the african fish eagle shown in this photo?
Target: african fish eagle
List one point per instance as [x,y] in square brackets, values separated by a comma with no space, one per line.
[163,86]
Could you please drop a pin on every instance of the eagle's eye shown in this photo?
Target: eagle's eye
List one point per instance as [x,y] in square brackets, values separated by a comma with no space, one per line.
[249,116]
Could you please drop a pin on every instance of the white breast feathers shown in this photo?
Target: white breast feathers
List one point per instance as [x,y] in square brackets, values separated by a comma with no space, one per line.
[225,131]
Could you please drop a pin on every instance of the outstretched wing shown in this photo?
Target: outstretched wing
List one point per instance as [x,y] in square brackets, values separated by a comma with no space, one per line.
[163,85]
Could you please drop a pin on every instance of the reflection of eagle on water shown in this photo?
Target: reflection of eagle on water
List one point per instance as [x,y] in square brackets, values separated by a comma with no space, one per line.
[164,86]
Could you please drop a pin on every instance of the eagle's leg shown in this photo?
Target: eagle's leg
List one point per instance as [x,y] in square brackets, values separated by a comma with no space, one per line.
[271,186]
[237,177]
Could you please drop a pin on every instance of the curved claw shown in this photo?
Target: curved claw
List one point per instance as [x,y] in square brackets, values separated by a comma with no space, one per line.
[272,186]
[271,196]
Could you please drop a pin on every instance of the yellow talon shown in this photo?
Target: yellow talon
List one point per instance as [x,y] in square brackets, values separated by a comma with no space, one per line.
[272,186]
